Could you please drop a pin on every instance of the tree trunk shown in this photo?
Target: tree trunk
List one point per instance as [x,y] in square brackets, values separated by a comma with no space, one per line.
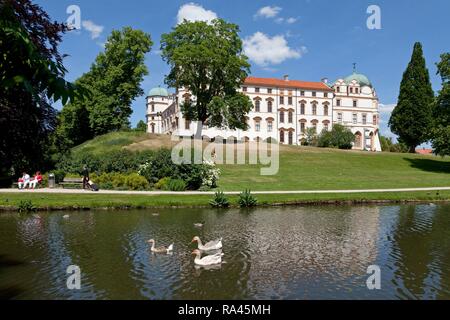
[412,149]
[198,132]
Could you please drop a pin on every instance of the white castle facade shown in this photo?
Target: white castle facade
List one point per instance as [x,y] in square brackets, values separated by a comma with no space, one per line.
[283,110]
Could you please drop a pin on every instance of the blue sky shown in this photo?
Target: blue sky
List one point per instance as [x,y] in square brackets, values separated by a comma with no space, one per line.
[307,39]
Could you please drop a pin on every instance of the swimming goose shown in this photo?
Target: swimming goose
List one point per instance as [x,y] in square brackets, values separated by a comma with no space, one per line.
[199,224]
[212,245]
[207,260]
[160,249]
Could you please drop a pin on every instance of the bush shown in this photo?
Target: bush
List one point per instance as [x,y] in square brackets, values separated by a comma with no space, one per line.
[118,181]
[339,137]
[246,199]
[59,175]
[176,185]
[219,200]
[162,183]
[136,182]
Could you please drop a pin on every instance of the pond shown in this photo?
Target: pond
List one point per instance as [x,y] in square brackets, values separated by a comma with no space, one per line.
[319,252]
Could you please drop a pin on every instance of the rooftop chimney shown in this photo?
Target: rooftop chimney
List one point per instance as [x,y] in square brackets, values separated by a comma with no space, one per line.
[286,77]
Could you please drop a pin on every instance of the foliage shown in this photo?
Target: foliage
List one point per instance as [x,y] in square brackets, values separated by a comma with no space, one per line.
[59,175]
[219,200]
[412,119]
[114,80]
[210,174]
[441,130]
[31,79]
[176,185]
[311,137]
[246,199]
[120,181]
[141,126]
[387,145]
[162,183]
[207,59]
[26,206]
[339,137]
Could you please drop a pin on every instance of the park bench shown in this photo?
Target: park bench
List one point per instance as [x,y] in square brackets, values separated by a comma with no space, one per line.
[72,182]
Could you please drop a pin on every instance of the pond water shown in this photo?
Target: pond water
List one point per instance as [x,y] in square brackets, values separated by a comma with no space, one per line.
[318,252]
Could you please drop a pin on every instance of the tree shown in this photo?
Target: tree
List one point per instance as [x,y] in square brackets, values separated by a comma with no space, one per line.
[207,59]
[387,145]
[141,126]
[311,136]
[441,130]
[412,118]
[31,79]
[339,137]
[114,81]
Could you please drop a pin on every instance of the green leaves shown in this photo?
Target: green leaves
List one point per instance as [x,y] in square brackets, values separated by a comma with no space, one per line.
[411,119]
[207,59]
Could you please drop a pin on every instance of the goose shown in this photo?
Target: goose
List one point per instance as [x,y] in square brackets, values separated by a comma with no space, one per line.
[199,224]
[66,216]
[207,260]
[160,249]
[212,245]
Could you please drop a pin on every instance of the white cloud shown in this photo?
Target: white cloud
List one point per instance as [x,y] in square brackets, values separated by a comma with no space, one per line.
[264,50]
[93,28]
[291,20]
[386,108]
[268,12]
[195,12]
[279,20]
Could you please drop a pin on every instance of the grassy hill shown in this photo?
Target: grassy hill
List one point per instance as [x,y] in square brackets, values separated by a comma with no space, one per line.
[305,168]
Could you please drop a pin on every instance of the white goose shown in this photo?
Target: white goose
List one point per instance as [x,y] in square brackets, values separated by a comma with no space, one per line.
[209,246]
[210,260]
[160,249]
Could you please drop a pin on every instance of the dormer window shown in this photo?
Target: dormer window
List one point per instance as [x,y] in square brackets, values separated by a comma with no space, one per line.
[257,90]
[314,94]
[244,89]
[338,89]
[351,90]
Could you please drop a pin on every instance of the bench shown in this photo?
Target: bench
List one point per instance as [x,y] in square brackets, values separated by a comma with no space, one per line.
[72,182]
[15,185]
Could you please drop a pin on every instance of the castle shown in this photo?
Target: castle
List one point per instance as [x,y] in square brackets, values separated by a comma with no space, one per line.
[283,110]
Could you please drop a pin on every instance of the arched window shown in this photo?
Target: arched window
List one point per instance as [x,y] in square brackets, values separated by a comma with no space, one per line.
[325,110]
[290,137]
[257,105]
[153,127]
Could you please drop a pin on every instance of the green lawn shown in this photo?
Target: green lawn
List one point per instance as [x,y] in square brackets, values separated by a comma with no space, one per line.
[91,201]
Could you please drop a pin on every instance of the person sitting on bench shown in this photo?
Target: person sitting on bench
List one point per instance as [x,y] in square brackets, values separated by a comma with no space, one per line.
[24,181]
[37,179]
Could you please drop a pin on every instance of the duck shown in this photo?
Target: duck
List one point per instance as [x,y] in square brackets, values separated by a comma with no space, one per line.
[66,216]
[207,260]
[199,224]
[212,245]
[160,249]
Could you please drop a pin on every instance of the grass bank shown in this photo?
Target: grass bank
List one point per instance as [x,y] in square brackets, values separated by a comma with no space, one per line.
[10,202]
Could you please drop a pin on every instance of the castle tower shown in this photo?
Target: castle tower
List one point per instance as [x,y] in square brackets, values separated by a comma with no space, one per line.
[157,101]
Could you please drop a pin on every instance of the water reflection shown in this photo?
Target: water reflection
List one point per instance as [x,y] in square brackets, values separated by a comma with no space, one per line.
[270,253]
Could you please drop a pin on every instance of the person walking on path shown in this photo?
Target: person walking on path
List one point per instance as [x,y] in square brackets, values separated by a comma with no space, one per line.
[85,177]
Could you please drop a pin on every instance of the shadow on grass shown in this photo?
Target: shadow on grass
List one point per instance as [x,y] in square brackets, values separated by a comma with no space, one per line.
[430,165]
[9,292]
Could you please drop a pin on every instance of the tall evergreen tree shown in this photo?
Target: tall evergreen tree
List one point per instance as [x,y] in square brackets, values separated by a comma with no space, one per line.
[441,131]
[412,118]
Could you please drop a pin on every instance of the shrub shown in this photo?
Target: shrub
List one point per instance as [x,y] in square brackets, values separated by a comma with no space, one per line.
[59,175]
[119,181]
[246,199]
[162,183]
[176,185]
[339,137]
[210,174]
[26,206]
[219,200]
[136,182]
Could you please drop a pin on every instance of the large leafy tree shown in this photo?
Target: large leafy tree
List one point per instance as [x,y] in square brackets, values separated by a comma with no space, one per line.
[412,118]
[441,132]
[207,59]
[114,81]
[31,79]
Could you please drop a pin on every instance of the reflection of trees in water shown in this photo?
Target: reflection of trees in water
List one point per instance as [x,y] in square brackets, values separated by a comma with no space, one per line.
[308,244]
[9,291]
[421,252]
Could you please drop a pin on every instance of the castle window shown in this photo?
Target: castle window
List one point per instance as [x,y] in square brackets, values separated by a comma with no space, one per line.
[339,117]
[282,116]
[302,108]
[153,108]
[281,100]
[338,102]
[364,118]
[302,127]
[302,93]
[257,126]
[187,124]
[314,94]
[269,126]
[355,118]
[269,106]
[281,136]
[325,95]
[290,116]
[325,110]
[326,126]
[244,89]
[257,105]
[338,89]
[290,101]
[355,103]
[375,120]
[314,109]
[269,90]
[356,90]
[290,137]
[257,90]
[351,90]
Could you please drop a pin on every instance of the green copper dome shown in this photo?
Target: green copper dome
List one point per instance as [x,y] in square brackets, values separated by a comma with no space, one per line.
[360,78]
[160,92]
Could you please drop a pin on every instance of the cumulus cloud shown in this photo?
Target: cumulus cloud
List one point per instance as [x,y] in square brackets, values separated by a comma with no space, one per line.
[93,28]
[386,108]
[291,20]
[195,12]
[268,12]
[265,50]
